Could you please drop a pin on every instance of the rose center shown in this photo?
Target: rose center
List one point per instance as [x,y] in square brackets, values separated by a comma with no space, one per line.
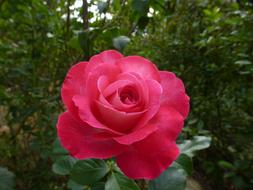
[128,95]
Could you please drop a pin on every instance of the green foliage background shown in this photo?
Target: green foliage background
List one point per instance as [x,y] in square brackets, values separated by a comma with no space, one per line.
[207,43]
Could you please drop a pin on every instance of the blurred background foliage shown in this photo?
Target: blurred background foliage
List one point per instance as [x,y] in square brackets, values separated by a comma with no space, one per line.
[207,43]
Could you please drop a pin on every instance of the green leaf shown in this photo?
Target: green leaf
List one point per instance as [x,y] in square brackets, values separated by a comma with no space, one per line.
[121,42]
[98,186]
[63,165]
[117,181]
[188,147]
[174,178]
[87,172]
[74,186]
[186,163]
[6,179]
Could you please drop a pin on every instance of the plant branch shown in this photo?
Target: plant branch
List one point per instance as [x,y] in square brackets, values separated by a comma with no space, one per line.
[85,15]
[68,17]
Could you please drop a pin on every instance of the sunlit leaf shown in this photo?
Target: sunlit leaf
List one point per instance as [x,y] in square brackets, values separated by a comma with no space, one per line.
[121,42]
[174,178]
[189,147]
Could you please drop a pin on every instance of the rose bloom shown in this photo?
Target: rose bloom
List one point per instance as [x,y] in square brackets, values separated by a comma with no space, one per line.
[123,107]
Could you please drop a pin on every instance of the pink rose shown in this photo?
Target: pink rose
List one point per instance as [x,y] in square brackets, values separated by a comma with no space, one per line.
[123,107]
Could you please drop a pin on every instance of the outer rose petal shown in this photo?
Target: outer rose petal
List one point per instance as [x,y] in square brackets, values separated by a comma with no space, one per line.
[74,84]
[105,57]
[140,65]
[136,165]
[150,157]
[108,56]
[80,139]
[174,93]
[169,122]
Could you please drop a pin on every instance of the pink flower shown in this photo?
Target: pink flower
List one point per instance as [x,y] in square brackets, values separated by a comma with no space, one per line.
[123,107]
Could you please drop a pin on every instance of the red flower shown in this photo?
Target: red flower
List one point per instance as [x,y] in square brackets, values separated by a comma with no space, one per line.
[123,107]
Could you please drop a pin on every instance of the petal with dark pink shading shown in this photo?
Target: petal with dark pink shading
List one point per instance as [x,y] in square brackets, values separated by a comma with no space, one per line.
[174,93]
[107,70]
[136,135]
[155,92]
[142,129]
[137,165]
[139,65]
[105,57]
[81,141]
[117,120]
[74,84]
[87,115]
[152,155]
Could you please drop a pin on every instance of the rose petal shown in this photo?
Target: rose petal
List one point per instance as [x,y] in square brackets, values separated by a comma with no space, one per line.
[105,57]
[116,102]
[117,120]
[102,83]
[109,95]
[85,112]
[140,65]
[138,165]
[126,79]
[110,71]
[74,83]
[108,56]
[136,135]
[169,122]
[113,87]
[80,140]
[152,155]
[155,92]
[174,93]
[142,129]
[140,83]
